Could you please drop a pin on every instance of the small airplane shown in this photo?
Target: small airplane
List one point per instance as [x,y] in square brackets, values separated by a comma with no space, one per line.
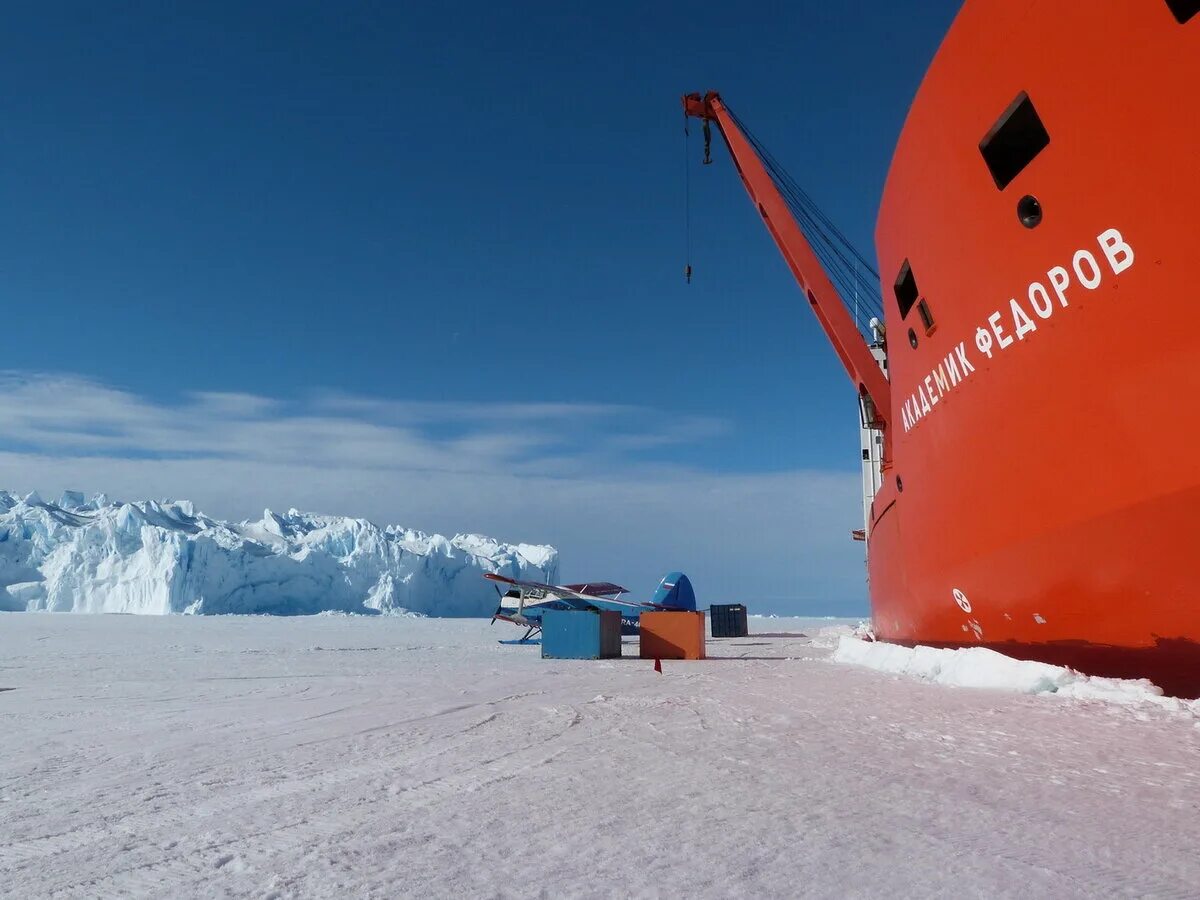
[525,601]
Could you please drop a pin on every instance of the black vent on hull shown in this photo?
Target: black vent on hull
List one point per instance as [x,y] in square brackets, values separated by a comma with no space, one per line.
[1184,9]
[906,290]
[1012,143]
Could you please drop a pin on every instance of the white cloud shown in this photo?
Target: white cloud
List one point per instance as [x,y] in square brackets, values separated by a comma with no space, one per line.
[566,474]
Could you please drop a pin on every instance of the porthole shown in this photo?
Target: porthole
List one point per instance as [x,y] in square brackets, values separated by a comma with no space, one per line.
[1029,211]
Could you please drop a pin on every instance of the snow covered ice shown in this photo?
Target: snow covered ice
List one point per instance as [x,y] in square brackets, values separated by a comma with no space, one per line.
[166,557]
[980,667]
[387,756]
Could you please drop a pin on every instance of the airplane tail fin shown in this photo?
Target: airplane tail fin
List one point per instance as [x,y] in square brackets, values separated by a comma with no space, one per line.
[675,591]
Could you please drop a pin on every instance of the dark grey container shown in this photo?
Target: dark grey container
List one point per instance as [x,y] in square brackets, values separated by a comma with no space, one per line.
[728,620]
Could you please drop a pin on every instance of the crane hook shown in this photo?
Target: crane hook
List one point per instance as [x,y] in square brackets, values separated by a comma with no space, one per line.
[707,144]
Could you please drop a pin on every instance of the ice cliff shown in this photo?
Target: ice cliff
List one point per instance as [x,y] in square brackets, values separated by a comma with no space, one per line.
[155,558]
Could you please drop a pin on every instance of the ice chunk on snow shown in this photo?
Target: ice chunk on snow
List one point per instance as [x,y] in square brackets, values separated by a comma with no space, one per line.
[71,500]
[829,635]
[980,667]
[157,557]
[20,596]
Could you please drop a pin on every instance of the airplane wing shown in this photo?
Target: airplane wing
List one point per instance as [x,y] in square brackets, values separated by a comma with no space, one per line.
[504,579]
[598,589]
[604,592]
[591,589]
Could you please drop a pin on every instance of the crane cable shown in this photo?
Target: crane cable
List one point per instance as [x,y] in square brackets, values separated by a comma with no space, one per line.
[851,273]
[687,202]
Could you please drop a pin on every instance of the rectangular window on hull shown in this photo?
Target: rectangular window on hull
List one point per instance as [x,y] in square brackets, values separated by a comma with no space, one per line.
[1014,141]
[906,289]
[1184,9]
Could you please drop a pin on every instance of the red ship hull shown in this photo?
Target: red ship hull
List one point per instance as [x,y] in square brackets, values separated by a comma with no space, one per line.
[1044,501]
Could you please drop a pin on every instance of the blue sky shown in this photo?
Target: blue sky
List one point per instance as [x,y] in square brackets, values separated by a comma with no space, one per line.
[423,263]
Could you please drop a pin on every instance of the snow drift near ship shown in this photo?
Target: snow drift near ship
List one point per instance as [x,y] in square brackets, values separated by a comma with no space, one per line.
[164,557]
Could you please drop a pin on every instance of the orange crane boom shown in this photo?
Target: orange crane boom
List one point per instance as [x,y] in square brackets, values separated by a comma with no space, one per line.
[814,281]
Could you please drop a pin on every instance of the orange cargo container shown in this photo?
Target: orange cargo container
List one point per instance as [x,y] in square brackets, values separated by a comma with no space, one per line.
[672,635]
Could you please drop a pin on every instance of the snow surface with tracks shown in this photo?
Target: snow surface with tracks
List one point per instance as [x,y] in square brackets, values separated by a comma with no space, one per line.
[154,558]
[384,756]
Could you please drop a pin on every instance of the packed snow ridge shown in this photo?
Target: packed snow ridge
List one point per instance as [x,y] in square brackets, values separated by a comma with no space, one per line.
[979,667]
[155,558]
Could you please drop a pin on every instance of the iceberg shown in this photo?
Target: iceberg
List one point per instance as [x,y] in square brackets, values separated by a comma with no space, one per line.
[151,557]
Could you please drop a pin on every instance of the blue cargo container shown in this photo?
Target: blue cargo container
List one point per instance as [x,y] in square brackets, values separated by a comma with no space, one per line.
[581,634]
